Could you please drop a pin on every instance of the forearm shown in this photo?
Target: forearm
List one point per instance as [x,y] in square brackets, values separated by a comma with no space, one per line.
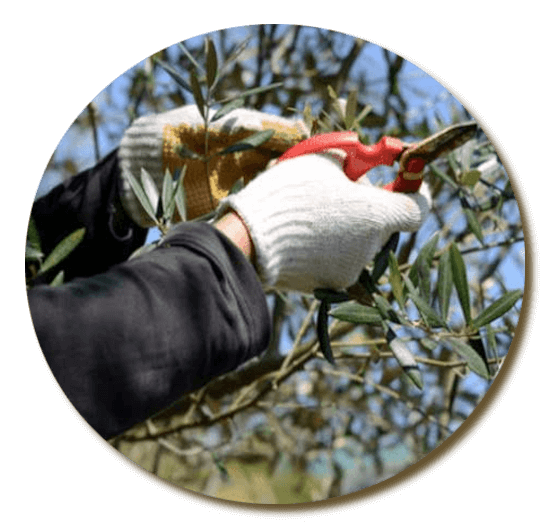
[233,227]
[127,343]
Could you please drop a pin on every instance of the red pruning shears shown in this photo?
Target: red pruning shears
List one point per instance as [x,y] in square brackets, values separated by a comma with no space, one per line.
[360,158]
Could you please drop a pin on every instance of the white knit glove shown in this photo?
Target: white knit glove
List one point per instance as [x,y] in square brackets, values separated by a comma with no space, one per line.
[313,228]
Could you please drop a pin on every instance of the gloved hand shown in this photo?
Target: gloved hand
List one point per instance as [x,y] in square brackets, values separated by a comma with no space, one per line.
[152,142]
[312,227]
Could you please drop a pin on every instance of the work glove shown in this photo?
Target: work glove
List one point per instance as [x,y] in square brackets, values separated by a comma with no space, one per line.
[312,227]
[152,142]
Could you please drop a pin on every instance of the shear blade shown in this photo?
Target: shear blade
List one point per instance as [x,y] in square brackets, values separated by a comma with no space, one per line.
[441,143]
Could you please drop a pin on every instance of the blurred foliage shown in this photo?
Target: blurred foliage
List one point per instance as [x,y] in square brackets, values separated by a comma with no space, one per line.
[290,427]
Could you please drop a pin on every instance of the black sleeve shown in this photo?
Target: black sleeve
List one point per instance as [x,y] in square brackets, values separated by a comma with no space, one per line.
[127,343]
[89,199]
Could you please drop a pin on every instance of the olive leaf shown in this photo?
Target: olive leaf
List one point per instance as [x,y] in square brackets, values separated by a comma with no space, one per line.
[169,192]
[58,279]
[474,361]
[33,238]
[140,194]
[227,108]
[444,284]
[351,109]
[381,260]
[197,94]
[441,175]
[150,189]
[497,309]
[385,309]
[237,186]
[322,331]
[186,52]
[430,316]
[174,74]
[460,280]
[251,142]
[353,312]
[470,178]
[179,196]
[395,280]
[420,270]
[62,250]
[183,151]
[473,224]
[405,358]
[211,63]
[252,91]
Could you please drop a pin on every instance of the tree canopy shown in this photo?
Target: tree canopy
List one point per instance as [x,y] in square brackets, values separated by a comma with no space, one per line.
[413,356]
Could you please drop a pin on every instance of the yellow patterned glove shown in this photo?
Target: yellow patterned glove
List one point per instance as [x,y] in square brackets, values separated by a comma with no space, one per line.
[152,143]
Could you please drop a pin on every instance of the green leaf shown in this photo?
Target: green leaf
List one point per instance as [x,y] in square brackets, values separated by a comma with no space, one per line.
[197,94]
[385,308]
[497,309]
[211,63]
[460,280]
[140,195]
[62,250]
[331,92]
[405,358]
[143,250]
[227,108]
[183,151]
[430,316]
[186,52]
[440,174]
[473,224]
[251,142]
[351,110]
[423,279]
[33,238]
[381,260]
[174,74]
[253,91]
[238,49]
[472,358]
[476,343]
[59,279]
[237,186]
[31,253]
[322,332]
[470,177]
[169,189]
[150,189]
[420,270]
[395,280]
[444,284]
[353,312]
[331,296]
[180,197]
[491,340]
[428,343]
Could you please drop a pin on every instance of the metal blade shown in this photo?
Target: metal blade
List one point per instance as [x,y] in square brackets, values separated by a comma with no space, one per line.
[440,143]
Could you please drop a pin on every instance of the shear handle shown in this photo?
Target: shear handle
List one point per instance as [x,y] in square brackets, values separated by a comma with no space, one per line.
[361,158]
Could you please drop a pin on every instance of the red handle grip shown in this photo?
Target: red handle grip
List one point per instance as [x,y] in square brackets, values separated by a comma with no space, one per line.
[361,158]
